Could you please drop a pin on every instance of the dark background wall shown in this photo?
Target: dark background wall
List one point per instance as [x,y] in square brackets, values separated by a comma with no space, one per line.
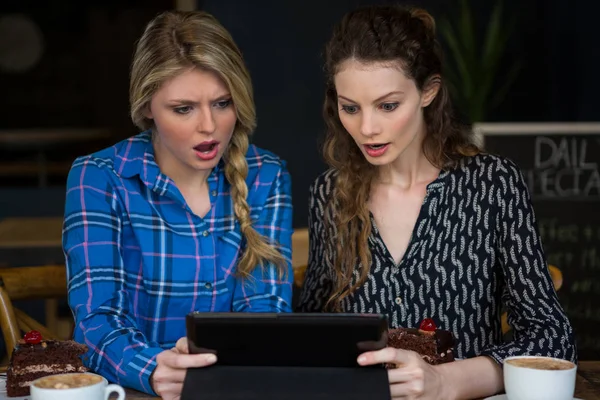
[555,41]
[82,80]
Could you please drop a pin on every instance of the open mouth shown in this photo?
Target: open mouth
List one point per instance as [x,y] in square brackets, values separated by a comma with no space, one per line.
[206,147]
[377,146]
[376,149]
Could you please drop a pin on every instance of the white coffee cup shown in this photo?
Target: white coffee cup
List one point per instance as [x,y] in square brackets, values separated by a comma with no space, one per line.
[99,390]
[538,378]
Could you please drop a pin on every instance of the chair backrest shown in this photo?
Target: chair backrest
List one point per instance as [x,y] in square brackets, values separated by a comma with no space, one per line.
[556,275]
[299,254]
[22,283]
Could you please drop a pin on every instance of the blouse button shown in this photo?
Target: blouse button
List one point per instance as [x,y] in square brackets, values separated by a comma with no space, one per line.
[213,193]
[208,285]
[398,300]
[205,233]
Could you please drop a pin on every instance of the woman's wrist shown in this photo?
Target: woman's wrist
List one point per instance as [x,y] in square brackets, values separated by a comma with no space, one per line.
[447,382]
[472,378]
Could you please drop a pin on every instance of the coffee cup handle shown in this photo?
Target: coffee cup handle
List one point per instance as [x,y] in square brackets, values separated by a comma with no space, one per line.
[108,390]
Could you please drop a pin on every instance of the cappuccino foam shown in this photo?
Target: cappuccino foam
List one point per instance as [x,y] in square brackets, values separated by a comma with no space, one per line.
[541,363]
[68,381]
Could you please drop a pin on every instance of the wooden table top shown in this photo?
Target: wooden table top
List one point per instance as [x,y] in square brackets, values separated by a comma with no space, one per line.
[588,380]
[31,232]
[134,394]
[587,387]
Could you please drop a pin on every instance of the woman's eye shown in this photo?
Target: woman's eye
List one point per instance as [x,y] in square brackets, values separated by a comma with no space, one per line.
[183,109]
[350,109]
[389,106]
[223,103]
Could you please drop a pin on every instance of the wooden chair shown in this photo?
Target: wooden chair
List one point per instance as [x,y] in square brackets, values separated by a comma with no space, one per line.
[299,255]
[557,281]
[24,283]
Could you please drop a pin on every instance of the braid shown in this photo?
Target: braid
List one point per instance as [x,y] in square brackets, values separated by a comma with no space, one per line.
[258,251]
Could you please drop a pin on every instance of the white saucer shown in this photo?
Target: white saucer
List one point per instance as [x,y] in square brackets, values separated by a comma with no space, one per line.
[503,397]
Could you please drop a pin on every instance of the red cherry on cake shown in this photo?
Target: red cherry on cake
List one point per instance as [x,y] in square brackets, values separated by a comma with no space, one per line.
[428,325]
[33,337]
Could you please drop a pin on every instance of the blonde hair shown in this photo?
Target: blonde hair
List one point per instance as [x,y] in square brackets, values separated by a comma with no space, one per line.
[174,42]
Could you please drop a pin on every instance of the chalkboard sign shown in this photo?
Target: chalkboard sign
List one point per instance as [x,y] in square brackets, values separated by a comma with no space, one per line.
[561,164]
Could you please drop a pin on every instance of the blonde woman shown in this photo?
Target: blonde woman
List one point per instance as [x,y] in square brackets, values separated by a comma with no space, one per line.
[186,216]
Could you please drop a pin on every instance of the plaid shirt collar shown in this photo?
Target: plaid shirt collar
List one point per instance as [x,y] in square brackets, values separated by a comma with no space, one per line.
[135,157]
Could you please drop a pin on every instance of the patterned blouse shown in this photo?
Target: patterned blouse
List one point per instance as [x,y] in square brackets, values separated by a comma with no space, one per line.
[475,251]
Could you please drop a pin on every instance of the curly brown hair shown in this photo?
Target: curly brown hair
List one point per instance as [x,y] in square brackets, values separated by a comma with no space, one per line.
[380,34]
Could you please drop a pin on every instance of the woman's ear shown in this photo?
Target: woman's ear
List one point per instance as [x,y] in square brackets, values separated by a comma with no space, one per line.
[148,112]
[431,89]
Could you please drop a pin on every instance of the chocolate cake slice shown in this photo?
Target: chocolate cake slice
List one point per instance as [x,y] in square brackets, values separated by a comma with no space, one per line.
[38,358]
[436,346]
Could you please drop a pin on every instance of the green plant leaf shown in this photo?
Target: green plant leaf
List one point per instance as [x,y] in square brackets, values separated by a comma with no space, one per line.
[511,76]
[457,55]
[451,80]
[492,43]
[477,112]
[472,73]
[466,30]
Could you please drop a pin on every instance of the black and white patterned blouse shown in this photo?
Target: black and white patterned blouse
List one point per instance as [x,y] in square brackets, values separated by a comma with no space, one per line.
[475,248]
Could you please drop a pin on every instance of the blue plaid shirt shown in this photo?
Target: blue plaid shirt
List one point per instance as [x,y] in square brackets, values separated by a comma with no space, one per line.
[138,259]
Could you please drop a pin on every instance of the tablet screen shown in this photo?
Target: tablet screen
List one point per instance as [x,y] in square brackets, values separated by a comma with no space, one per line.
[273,339]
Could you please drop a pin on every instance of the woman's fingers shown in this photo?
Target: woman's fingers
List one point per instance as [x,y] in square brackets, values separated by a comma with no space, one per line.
[406,374]
[387,355]
[184,361]
[407,390]
[172,365]
[169,390]
[182,346]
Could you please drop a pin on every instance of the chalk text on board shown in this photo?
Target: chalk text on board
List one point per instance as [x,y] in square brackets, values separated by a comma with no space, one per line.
[555,234]
[562,168]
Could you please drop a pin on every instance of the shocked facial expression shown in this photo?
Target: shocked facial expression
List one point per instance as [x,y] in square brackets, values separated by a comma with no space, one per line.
[194,118]
[381,108]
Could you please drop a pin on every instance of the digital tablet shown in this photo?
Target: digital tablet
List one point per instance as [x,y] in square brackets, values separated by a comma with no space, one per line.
[294,339]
